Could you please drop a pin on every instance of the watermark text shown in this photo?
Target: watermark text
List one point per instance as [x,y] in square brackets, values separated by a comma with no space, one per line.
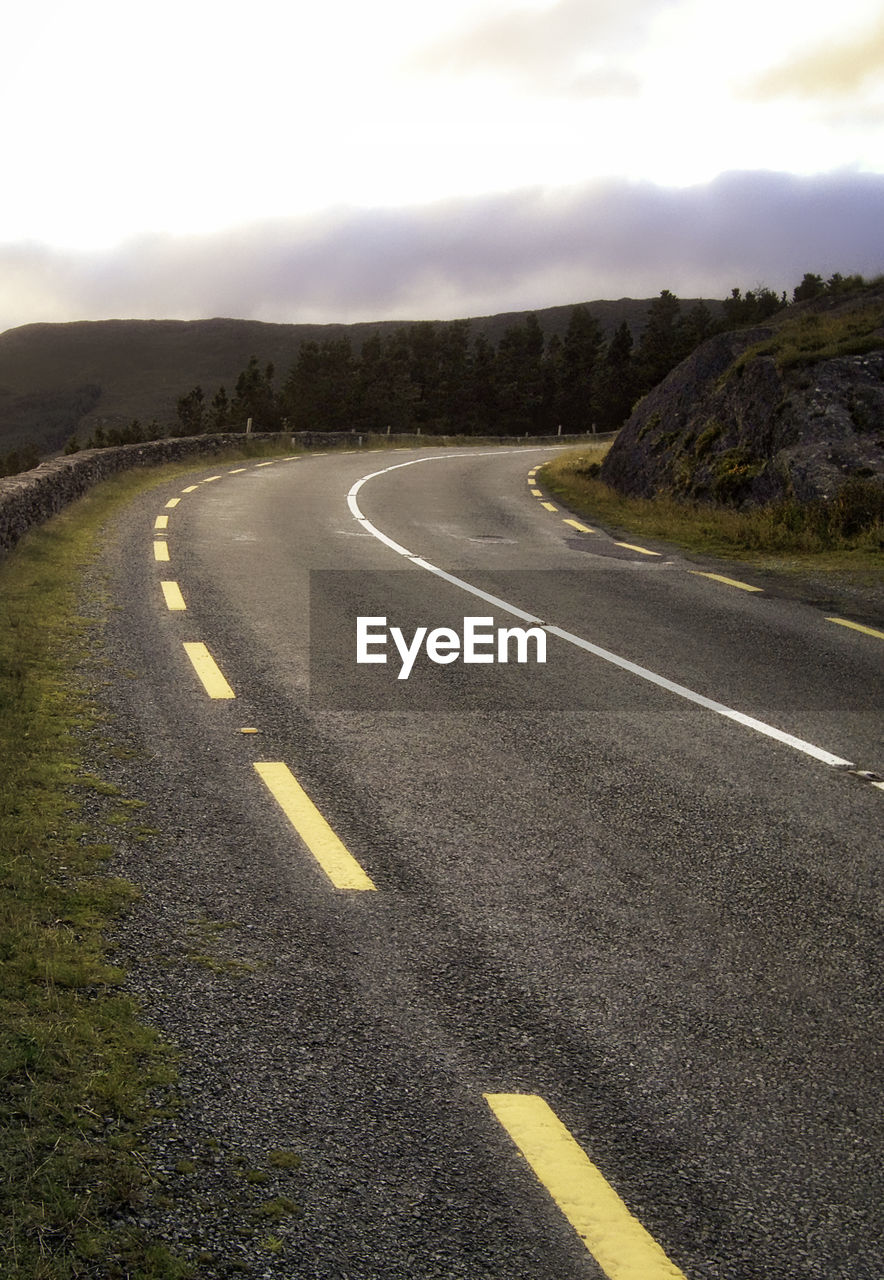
[479,642]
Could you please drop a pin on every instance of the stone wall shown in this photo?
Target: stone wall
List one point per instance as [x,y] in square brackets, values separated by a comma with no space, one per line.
[33,496]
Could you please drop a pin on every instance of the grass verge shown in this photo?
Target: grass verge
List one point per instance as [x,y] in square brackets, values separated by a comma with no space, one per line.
[790,536]
[79,1072]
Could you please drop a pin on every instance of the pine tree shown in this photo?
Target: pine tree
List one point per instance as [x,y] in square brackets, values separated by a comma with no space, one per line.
[617,385]
[520,377]
[319,392]
[663,342]
[255,398]
[191,412]
[580,355]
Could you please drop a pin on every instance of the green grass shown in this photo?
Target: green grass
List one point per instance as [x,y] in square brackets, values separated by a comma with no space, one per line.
[812,336]
[79,1071]
[848,535]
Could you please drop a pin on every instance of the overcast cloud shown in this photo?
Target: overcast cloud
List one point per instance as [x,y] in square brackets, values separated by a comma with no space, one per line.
[837,69]
[343,161]
[472,256]
[562,49]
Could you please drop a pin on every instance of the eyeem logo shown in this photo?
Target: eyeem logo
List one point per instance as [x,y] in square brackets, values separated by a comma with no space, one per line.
[444,644]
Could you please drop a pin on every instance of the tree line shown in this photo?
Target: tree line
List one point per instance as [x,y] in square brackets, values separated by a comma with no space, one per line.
[437,379]
[434,378]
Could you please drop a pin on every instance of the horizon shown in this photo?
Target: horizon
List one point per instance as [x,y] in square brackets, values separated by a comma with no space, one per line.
[350,165]
[347,324]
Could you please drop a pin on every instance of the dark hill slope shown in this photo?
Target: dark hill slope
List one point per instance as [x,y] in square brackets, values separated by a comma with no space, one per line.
[56,378]
[791,410]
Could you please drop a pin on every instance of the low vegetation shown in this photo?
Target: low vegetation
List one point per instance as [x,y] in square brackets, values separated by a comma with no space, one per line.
[813,335]
[79,1072]
[845,533]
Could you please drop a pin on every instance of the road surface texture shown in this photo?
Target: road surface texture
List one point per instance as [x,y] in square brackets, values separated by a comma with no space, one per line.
[602,995]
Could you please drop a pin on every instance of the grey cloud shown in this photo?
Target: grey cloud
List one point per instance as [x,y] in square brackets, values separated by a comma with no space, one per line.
[531,248]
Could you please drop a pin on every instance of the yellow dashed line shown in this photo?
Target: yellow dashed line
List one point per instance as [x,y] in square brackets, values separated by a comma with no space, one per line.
[173,597]
[581,528]
[630,547]
[209,479]
[728,582]
[236,471]
[161,522]
[160,550]
[332,855]
[173,502]
[190,488]
[538,493]
[207,669]
[618,1241]
[266,464]
[549,506]
[857,626]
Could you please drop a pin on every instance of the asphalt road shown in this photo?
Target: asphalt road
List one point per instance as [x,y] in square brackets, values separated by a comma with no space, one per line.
[639,882]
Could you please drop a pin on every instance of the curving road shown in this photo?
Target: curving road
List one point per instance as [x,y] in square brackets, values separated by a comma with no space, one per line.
[602,994]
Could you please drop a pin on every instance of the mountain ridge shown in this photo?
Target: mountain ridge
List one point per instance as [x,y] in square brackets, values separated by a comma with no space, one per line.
[59,378]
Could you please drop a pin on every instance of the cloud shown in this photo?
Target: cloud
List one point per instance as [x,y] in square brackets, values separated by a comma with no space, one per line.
[531,248]
[545,49]
[836,70]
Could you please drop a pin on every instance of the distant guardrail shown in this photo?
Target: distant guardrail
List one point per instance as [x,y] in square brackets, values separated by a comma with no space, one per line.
[31,497]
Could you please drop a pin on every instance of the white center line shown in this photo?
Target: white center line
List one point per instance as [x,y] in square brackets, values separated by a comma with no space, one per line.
[681,691]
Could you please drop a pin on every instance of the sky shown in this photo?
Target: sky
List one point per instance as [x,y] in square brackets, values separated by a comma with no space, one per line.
[336,161]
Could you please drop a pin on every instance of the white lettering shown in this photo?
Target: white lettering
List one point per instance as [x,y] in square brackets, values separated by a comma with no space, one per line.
[472,637]
[407,653]
[364,638]
[521,636]
[443,645]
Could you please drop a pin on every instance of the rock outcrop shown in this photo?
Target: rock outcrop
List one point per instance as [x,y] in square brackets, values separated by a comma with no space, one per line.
[794,410]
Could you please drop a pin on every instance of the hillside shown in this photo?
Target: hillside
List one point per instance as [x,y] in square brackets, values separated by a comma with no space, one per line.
[58,378]
[790,410]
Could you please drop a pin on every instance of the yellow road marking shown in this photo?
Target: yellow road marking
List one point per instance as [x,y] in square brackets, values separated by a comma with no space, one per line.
[173,502]
[538,493]
[630,547]
[190,488]
[857,626]
[618,1242]
[209,479]
[161,522]
[172,593]
[728,582]
[581,528]
[266,464]
[207,669]
[335,859]
[549,506]
[236,471]
[160,550]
